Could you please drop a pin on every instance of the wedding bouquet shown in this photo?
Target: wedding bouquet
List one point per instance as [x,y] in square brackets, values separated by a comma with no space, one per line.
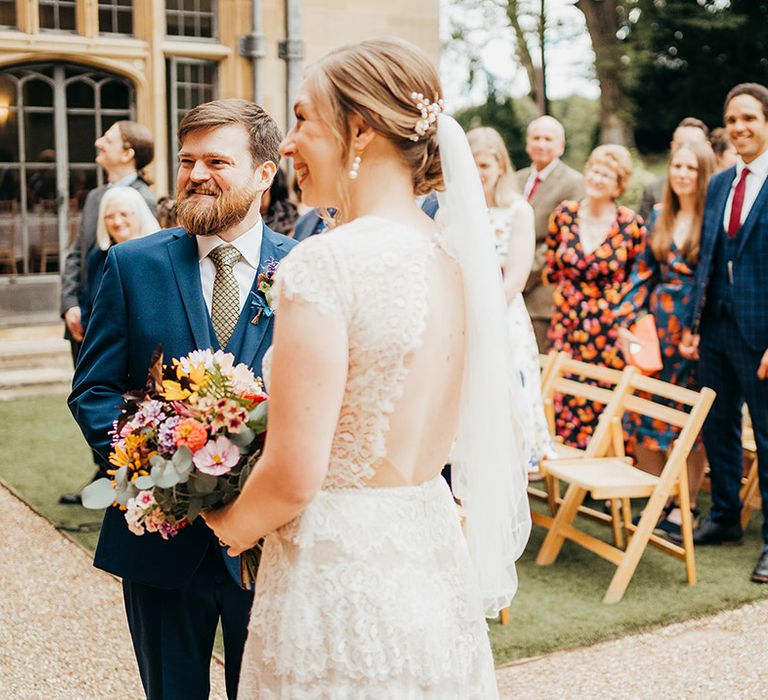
[185,444]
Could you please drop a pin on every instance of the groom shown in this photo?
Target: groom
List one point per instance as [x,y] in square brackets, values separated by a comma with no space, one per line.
[184,288]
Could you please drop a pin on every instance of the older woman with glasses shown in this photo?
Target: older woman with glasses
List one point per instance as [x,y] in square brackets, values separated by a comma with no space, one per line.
[591,247]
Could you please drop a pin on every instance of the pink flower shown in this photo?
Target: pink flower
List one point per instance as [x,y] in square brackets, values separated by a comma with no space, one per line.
[218,457]
[145,499]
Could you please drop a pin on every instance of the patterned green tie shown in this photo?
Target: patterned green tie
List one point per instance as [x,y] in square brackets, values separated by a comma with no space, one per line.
[225,307]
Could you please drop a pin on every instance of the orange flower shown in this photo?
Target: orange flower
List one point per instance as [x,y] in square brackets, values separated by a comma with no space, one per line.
[191,433]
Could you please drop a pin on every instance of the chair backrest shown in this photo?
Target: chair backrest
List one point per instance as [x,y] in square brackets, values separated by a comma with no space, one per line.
[569,377]
[689,414]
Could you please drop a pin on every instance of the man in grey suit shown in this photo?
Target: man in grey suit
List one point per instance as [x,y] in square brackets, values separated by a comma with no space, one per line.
[545,184]
[123,151]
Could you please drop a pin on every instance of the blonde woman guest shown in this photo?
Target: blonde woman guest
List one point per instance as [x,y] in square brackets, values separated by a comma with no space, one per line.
[662,284]
[379,321]
[123,215]
[512,221]
[591,248]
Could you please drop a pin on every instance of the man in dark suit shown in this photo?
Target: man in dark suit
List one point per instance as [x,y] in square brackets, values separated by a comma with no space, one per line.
[546,183]
[688,130]
[184,288]
[728,321]
[123,151]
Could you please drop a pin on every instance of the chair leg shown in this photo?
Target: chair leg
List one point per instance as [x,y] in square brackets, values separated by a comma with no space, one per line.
[553,542]
[553,492]
[504,616]
[686,530]
[748,494]
[626,516]
[618,539]
[634,551]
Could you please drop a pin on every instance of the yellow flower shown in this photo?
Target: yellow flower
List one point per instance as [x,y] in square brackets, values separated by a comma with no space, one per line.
[172,391]
[119,457]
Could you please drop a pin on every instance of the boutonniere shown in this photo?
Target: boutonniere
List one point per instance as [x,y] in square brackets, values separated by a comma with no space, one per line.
[261,299]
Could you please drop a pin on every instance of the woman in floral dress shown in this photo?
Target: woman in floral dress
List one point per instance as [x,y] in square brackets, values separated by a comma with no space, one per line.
[661,284]
[512,222]
[591,247]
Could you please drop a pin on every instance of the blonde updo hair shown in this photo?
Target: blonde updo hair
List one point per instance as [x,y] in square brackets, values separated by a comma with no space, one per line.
[375,80]
[483,139]
[617,159]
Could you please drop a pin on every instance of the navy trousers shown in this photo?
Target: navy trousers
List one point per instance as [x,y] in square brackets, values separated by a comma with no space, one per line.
[173,630]
[729,366]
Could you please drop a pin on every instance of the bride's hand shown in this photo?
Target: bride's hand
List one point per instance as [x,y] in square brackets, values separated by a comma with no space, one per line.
[220,521]
[627,340]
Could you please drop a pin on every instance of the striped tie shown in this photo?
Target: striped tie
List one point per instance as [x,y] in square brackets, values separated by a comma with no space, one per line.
[225,307]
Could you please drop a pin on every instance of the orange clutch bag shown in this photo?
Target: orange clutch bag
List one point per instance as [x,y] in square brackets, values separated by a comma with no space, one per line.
[647,356]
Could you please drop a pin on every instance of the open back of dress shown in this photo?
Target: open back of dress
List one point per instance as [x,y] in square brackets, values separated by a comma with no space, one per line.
[370,591]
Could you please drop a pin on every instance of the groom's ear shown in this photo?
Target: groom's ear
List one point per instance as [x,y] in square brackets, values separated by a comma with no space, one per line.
[264,174]
[362,133]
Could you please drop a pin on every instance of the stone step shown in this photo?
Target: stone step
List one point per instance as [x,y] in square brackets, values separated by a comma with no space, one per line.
[31,353]
[40,381]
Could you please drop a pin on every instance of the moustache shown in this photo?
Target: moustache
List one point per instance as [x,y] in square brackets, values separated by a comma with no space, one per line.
[202,189]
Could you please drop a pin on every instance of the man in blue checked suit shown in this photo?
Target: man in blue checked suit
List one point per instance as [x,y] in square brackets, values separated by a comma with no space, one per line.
[185,288]
[728,318]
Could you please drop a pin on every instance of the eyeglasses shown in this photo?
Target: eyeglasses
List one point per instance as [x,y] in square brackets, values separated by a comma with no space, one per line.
[602,174]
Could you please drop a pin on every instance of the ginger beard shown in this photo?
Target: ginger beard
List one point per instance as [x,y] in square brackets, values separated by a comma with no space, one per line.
[202,216]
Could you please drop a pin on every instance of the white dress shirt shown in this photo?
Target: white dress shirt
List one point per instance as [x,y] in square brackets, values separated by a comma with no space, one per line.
[541,174]
[758,170]
[245,270]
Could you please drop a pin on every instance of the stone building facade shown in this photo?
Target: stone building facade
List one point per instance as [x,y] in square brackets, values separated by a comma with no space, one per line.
[70,68]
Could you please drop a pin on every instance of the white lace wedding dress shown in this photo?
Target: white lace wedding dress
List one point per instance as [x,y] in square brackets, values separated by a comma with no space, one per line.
[370,592]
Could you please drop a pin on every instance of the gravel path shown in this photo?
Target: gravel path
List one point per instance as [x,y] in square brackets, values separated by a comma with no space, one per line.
[63,635]
[724,656]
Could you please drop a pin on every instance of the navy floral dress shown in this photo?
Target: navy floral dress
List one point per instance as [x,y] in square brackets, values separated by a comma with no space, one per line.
[589,288]
[662,288]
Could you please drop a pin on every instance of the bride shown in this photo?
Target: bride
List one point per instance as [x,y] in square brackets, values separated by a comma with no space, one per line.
[389,341]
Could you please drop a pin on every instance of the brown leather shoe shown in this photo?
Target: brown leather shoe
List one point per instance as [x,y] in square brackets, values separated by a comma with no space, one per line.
[760,572]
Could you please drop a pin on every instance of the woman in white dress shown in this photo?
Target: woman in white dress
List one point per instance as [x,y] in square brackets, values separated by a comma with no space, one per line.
[385,351]
[513,227]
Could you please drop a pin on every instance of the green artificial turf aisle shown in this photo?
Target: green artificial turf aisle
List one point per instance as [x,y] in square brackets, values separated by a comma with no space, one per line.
[42,454]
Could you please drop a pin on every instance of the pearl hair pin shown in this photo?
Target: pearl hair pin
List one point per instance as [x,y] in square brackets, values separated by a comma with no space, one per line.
[429,111]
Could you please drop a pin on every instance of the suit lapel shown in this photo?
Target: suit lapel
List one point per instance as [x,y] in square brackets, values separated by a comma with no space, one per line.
[253,334]
[182,251]
[754,214]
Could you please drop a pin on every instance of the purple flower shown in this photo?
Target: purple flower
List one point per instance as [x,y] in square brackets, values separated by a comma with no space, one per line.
[166,443]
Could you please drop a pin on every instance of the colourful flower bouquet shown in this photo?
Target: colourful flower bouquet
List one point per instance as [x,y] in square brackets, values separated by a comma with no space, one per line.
[184,445]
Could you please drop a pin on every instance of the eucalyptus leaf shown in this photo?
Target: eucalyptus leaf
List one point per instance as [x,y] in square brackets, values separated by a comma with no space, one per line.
[193,509]
[244,438]
[158,461]
[98,494]
[257,418]
[121,479]
[167,476]
[204,483]
[143,482]
[182,460]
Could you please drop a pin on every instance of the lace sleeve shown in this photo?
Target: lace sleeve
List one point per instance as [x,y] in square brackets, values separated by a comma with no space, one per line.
[312,274]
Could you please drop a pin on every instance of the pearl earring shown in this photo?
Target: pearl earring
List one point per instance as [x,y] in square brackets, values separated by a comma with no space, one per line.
[355,167]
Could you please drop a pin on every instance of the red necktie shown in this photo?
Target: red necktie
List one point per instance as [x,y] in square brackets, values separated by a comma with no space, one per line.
[734,223]
[535,187]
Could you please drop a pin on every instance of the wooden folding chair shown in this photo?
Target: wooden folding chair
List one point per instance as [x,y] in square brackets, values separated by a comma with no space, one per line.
[613,478]
[750,489]
[566,376]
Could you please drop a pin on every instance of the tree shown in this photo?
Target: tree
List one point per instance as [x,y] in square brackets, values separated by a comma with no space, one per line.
[691,58]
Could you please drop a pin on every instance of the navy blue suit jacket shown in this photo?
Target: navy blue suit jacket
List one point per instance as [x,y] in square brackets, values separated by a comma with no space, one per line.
[750,265]
[151,294]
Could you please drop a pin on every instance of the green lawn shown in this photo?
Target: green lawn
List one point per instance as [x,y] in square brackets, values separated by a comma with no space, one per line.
[42,455]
